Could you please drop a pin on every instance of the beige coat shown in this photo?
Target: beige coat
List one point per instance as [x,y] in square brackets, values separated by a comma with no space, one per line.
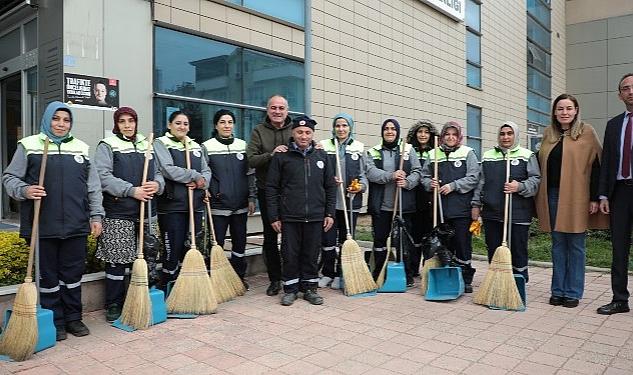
[573,204]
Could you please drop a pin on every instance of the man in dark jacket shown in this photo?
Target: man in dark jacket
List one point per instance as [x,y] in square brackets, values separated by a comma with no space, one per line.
[301,197]
[268,138]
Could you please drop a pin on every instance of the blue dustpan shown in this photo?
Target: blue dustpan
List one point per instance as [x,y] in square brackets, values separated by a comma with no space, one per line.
[395,279]
[444,284]
[159,310]
[46,332]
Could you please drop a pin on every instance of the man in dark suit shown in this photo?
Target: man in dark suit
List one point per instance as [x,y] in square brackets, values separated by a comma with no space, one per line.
[616,190]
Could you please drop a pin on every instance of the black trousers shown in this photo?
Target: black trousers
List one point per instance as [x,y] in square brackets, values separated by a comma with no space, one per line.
[422,225]
[115,282]
[300,252]
[174,229]
[62,264]
[381,227]
[338,232]
[461,245]
[621,205]
[236,224]
[493,231]
[270,250]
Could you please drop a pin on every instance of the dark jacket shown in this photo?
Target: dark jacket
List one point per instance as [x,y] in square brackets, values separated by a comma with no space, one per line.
[610,162]
[300,187]
[352,165]
[264,138]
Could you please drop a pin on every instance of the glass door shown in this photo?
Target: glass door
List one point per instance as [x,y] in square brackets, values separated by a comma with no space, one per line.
[11,131]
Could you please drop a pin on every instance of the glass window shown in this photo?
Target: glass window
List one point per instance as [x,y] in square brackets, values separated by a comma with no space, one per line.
[201,118]
[539,82]
[473,47]
[538,117]
[539,10]
[538,102]
[473,15]
[10,45]
[473,128]
[473,75]
[30,36]
[193,66]
[538,34]
[288,10]
[538,58]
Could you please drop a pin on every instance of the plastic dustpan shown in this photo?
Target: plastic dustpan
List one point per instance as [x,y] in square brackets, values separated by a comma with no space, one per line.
[46,332]
[175,315]
[395,279]
[520,281]
[159,310]
[444,284]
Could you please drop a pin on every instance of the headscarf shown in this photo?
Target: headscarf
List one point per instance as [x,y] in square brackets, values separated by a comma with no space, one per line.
[412,136]
[460,136]
[393,144]
[124,111]
[47,118]
[350,123]
[515,129]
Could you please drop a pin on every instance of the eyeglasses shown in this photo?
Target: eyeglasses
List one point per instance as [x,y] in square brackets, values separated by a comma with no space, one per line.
[626,88]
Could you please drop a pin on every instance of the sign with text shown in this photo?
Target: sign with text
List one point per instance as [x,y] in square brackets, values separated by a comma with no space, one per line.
[91,92]
[455,9]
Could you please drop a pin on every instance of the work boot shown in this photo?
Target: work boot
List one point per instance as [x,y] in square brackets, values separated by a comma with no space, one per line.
[60,334]
[273,288]
[288,299]
[313,297]
[77,328]
[113,312]
[336,283]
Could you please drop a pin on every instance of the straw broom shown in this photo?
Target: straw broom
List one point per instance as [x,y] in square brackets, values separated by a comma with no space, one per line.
[355,272]
[192,292]
[498,289]
[137,308]
[434,262]
[225,281]
[381,277]
[20,336]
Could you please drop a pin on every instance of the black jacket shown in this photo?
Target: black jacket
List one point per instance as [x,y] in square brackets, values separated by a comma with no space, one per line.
[611,155]
[300,188]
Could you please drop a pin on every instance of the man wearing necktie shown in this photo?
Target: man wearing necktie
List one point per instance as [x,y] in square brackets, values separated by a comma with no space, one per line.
[616,192]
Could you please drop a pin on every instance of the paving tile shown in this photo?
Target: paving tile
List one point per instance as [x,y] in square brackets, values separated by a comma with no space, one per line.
[43,370]
[583,367]
[249,367]
[451,363]
[483,369]
[300,368]
[351,367]
[372,357]
[547,359]
[274,360]
[150,369]
[224,361]
[402,366]
[593,357]
[125,362]
[500,361]
[530,368]
[615,371]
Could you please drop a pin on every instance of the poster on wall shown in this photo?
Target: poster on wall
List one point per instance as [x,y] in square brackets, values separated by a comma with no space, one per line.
[91,92]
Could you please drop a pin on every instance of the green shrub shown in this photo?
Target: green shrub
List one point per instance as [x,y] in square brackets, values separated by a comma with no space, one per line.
[14,256]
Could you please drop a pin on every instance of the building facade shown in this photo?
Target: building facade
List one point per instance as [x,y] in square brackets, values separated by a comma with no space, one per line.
[464,60]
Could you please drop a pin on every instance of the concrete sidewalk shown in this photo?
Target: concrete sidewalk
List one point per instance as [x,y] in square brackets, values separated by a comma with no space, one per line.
[385,334]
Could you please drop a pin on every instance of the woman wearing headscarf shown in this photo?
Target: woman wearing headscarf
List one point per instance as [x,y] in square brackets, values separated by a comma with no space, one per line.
[119,160]
[458,177]
[232,187]
[384,175]
[352,166]
[71,210]
[173,204]
[489,197]
[567,202]
[422,137]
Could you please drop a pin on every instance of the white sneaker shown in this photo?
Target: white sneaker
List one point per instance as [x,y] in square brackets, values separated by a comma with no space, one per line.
[324,281]
[336,283]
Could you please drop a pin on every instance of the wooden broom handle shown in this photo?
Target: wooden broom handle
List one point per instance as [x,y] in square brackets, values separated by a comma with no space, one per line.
[339,174]
[141,232]
[192,228]
[208,203]
[435,175]
[504,241]
[37,205]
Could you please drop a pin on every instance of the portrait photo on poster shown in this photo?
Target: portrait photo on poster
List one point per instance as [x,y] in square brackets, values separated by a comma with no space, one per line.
[91,92]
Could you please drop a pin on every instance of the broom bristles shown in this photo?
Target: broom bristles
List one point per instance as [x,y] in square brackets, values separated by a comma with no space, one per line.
[226,283]
[20,337]
[434,262]
[137,308]
[498,289]
[356,274]
[192,292]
